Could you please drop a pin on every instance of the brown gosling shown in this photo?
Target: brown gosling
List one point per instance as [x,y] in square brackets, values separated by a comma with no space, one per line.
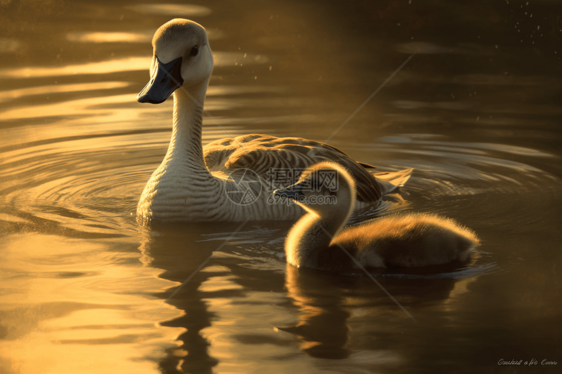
[318,240]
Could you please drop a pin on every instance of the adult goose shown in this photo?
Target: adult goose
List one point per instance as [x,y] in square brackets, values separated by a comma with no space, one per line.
[195,183]
[318,241]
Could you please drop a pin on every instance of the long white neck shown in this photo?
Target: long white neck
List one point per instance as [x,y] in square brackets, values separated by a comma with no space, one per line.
[185,145]
[182,181]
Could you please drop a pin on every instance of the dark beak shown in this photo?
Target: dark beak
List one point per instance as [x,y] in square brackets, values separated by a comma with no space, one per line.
[165,80]
[293,192]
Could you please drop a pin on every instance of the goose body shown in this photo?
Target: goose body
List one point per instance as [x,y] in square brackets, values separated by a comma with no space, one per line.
[193,182]
[318,241]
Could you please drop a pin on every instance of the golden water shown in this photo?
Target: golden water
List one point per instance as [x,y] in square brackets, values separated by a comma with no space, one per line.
[475,112]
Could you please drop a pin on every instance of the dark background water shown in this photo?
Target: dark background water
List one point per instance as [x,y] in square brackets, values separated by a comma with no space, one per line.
[475,111]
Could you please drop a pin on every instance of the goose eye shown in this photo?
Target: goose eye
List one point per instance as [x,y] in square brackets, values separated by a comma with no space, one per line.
[194,51]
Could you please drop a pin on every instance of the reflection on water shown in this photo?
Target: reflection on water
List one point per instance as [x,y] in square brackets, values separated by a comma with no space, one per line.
[474,112]
[83,300]
[103,67]
[173,10]
[110,37]
[43,90]
[118,65]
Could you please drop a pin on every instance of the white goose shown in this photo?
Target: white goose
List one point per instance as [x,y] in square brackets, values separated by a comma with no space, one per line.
[318,241]
[190,183]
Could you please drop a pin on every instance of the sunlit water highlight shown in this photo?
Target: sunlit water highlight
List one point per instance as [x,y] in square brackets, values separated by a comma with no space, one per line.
[80,278]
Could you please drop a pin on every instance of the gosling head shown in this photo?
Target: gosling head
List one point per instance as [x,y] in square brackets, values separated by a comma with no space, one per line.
[321,188]
[182,57]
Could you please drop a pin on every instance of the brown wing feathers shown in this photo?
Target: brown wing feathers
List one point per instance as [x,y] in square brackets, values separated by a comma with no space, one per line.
[262,152]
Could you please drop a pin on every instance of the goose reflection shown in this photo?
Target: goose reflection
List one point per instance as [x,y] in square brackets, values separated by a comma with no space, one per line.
[336,312]
[218,296]
[173,248]
[322,326]
[230,307]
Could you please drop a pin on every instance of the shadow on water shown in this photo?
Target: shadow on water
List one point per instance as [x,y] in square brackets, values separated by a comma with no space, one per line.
[180,250]
[174,250]
[322,304]
[326,301]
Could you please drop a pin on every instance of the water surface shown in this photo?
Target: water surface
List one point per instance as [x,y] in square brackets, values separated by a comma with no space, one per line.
[475,112]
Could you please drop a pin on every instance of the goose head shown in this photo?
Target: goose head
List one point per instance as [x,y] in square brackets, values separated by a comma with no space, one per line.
[324,189]
[182,57]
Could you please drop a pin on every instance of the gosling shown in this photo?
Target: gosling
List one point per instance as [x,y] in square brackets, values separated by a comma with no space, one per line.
[327,192]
